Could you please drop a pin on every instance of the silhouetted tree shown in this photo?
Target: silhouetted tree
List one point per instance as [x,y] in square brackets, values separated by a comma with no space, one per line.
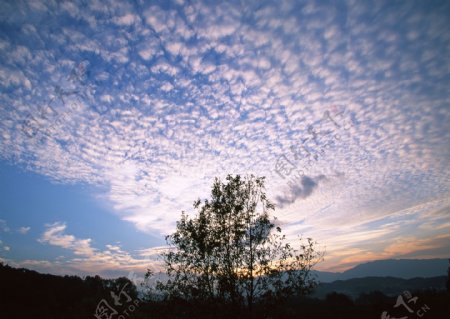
[448,278]
[232,252]
[339,299]
[29,294]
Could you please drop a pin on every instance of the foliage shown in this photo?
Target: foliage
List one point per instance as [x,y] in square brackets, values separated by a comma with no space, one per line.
[448,279]
[29,294]
[231,252]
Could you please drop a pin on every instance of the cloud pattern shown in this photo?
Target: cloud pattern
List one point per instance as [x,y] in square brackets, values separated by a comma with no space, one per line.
[155,99]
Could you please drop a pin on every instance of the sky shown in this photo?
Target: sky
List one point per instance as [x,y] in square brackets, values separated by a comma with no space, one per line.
[116,116]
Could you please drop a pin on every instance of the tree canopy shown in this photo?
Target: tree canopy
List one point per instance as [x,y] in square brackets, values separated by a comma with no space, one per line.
[233,252]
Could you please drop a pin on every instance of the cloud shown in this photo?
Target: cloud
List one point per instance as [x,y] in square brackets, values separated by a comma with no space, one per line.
[126,20]
[406,247]
[151,102]
[87,259]
[23,230]
[399,235]
[300,190]
[4,247]
[54,235]
[4,226]
[154,253]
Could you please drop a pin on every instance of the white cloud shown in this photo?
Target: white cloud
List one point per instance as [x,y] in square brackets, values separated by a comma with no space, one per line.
[126,20]
[54,235]
[4,226]
[23,230]
[154,252]
[4,247]
[92,260]
[167,87]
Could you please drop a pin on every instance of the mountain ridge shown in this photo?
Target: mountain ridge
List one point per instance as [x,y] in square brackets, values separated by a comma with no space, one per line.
[399,268]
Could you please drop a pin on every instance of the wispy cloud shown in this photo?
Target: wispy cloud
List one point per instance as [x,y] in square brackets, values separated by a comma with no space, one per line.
[87,259]
[4,247]
[23,230]
[4,226]
[54,235]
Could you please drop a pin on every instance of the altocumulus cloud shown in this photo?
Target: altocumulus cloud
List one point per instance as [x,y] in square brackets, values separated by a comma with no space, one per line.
[153,101]
[24,230]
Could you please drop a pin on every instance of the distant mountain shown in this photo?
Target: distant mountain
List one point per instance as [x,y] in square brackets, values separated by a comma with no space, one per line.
[389,286]
[326,276]
[400,268]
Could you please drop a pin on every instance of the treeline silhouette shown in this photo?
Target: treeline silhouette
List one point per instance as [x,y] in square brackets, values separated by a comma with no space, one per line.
[29,294]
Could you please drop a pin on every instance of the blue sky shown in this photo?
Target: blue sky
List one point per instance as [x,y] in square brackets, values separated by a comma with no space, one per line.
[116,116]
